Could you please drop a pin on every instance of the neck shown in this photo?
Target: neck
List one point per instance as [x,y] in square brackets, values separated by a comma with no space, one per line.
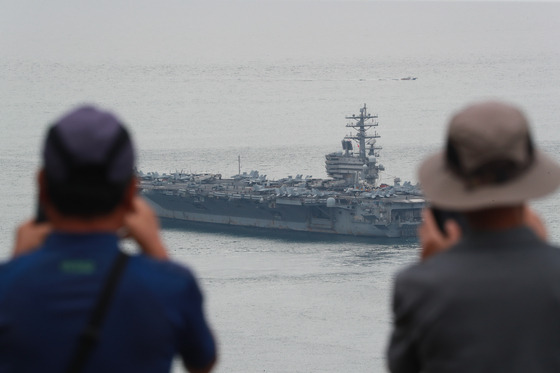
[111,222]
[498,218]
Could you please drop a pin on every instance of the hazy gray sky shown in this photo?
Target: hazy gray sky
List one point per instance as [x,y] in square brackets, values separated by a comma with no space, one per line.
[176,31]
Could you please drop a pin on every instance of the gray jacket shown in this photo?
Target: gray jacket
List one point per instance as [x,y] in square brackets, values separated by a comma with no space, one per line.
[489,304]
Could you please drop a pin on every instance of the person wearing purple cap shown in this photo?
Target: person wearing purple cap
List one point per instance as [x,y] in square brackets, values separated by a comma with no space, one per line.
[486,295]
[70,299]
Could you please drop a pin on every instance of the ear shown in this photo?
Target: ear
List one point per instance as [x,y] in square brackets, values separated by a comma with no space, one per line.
[44,199]
[130,194]
[42,185]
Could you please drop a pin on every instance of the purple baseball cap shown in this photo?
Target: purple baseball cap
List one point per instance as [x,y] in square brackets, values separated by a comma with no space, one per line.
[90,146]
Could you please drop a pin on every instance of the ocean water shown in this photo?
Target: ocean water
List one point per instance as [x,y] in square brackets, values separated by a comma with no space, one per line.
[201,83]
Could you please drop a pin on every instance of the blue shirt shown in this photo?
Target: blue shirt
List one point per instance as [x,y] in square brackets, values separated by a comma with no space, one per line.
[47,297]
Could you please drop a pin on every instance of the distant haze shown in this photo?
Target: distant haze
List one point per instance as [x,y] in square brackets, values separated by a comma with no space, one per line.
[175,31]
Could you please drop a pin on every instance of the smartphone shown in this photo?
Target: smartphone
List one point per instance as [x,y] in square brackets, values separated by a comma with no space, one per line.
[441,216]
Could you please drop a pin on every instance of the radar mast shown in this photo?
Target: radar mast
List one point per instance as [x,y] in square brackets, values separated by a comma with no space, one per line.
[362,124]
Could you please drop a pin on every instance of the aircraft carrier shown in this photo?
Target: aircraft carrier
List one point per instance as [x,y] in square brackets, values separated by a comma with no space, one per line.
[349,202]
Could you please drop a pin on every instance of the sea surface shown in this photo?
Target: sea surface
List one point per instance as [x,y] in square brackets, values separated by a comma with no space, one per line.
[203,83]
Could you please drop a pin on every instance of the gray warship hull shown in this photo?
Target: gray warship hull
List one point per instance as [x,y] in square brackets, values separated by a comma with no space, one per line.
[396,216]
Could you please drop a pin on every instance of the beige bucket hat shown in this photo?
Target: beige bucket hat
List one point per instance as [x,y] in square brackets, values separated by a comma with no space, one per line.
[489,161]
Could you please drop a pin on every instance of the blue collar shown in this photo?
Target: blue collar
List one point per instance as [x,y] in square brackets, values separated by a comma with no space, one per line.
[81,241]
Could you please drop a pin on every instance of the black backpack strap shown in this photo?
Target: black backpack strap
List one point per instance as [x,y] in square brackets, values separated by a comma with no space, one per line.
[90,335]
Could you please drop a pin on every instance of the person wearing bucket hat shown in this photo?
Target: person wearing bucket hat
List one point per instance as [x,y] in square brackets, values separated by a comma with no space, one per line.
[485,299]
[489,161]
[70,299]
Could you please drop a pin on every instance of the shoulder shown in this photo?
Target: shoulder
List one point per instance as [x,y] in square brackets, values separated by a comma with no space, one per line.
[426,270]
[430,277]
[20,264]
[165,268]
[164,277]
[507,252]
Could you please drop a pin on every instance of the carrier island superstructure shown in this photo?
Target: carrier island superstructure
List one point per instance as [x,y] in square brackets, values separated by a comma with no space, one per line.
[349,202]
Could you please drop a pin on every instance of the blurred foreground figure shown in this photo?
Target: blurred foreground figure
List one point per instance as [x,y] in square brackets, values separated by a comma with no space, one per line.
[486,297]
[76,302]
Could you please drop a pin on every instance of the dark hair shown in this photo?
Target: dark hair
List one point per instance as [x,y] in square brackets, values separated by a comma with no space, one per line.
[85,200]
